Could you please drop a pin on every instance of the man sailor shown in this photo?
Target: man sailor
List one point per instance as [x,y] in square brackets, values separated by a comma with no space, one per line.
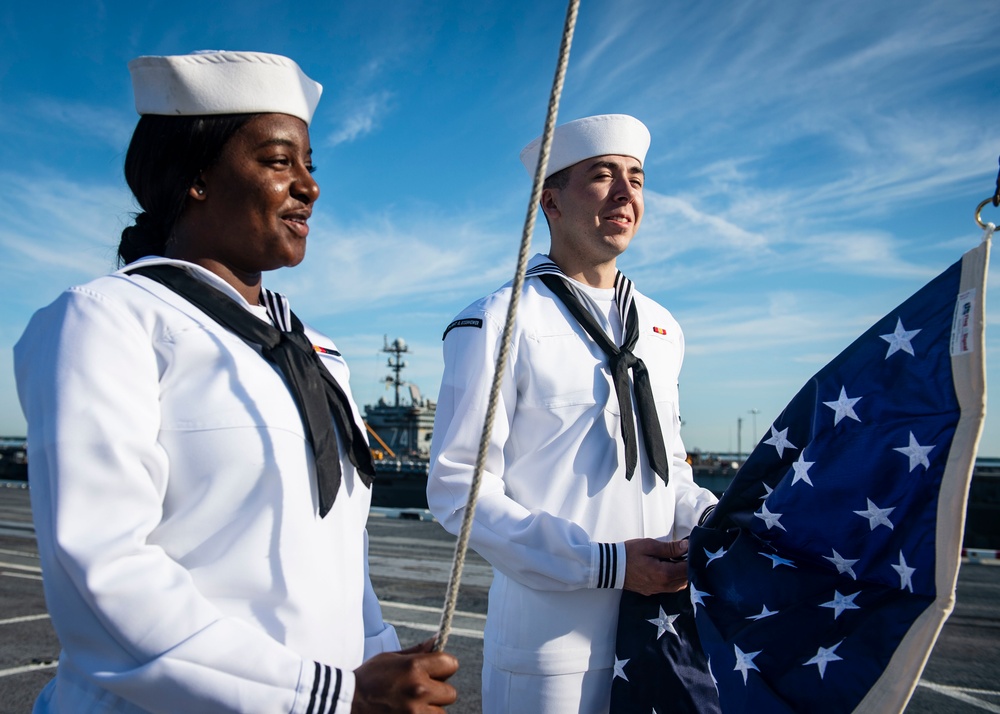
[586,489]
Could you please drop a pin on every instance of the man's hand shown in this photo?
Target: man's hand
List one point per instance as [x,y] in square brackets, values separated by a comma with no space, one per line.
[648,569]
[410,681]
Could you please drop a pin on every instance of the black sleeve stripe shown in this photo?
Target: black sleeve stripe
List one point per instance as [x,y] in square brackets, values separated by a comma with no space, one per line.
[607,571]
[320,702]
[315,689]
[323,704]
[336,689]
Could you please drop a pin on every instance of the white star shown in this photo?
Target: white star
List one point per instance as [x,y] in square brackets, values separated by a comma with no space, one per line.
[877,516]
[841,603]
[696,597]
[823,656]
[620,668]
[764,612]
[899,340]
[905,573]
[713,556]
[842,563]
[664,623]
[779,440]
[801,468]
[770,519]
[767,492]
[712,675]
[843,407]
[777,560]
[916,452]
[744,662]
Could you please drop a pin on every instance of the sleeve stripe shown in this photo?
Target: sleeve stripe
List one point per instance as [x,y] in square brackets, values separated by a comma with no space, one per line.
[607,569]
[323,704]
[315,689]
[336,689]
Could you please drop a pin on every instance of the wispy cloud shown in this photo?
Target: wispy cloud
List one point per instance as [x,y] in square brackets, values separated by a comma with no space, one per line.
[664,212]
[866,253]
[400,259]
[362,119]
[69,230]
[810,167]
[111,127]
[793,322]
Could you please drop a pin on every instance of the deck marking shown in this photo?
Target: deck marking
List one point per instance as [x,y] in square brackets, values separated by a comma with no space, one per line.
[422,542]
[27,668]
[21,553]
[429,627]
[962,695]
[428,608]
[15,566]
[26,618]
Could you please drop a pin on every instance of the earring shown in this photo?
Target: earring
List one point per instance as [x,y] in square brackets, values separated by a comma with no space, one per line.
[200,191]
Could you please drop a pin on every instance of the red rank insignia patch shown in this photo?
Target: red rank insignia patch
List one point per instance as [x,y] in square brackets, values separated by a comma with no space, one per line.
[659,330]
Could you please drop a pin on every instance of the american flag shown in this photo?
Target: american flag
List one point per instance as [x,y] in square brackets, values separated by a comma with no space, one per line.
[821,581]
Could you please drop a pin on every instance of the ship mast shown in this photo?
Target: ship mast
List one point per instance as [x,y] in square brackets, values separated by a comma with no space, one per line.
[395,362]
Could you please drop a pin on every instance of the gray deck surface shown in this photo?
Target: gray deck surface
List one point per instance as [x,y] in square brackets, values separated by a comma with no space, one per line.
[410,562]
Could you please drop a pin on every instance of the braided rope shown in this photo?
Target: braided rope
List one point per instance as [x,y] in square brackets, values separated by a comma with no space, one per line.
[462,545]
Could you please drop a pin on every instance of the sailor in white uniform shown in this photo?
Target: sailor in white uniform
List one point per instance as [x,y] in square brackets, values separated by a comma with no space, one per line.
[199,473]
[586,488]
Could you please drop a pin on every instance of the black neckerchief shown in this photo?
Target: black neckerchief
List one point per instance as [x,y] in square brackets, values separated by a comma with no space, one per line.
[317,394]
[620,361]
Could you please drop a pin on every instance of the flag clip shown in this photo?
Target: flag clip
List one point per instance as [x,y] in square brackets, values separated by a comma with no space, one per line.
[995,200]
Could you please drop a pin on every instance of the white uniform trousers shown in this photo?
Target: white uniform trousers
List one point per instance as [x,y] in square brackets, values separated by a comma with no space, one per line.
[506,692]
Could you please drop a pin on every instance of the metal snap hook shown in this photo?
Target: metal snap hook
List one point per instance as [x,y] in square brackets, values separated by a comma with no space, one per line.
[994,199]
[979,210]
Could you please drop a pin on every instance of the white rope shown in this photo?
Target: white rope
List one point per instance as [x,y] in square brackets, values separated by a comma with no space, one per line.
[461,546]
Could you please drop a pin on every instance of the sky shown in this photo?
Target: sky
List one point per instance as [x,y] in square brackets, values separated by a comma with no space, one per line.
[812,165]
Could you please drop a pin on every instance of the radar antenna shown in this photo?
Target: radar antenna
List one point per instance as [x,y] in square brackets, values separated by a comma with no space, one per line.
[395,362]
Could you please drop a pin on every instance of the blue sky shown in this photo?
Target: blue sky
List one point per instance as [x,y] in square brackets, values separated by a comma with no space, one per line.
[812,165]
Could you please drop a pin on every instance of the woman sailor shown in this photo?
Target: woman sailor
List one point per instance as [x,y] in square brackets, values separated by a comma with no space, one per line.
[199,473]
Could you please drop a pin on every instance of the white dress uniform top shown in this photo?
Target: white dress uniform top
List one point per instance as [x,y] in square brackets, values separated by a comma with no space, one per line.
[174,496]
[555,507]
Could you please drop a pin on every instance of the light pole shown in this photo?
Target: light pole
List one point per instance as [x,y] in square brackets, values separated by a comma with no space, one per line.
[755,412]
[739,440]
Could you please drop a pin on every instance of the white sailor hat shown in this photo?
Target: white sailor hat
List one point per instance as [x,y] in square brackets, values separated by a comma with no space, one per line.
[601,135]
[219,82]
